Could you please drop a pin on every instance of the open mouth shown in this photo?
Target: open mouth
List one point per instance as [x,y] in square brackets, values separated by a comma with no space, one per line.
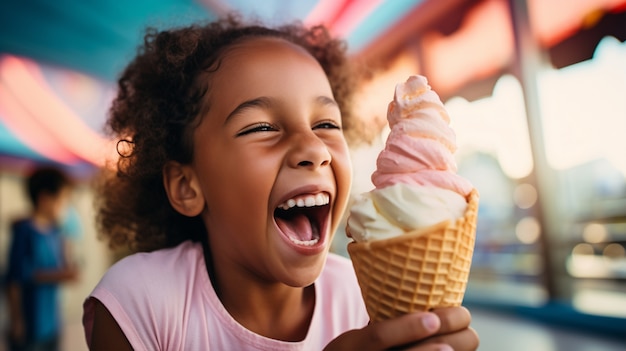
[303,218]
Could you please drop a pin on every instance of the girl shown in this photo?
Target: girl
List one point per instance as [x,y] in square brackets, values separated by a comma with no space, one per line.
[233,178]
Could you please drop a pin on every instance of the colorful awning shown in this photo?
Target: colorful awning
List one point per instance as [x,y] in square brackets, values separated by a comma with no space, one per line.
[59,59]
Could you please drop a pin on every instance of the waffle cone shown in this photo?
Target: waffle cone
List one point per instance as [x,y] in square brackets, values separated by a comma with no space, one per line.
[419,270]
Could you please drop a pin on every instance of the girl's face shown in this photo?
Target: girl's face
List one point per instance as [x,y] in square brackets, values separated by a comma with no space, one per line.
[272,162]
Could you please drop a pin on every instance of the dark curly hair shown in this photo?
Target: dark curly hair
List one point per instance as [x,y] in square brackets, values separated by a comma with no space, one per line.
[160,97]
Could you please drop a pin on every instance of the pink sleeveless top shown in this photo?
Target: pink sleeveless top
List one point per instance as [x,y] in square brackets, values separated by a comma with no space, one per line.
[164,300]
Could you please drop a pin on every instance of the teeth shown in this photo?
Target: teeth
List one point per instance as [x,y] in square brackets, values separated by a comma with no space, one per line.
[309,202]
[320,199]
[304,243]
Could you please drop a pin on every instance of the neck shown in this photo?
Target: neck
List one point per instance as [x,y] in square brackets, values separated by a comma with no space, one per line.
[271,309]
[42,220]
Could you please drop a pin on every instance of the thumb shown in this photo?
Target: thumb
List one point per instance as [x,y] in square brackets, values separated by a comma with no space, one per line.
[403,330]
[406,329]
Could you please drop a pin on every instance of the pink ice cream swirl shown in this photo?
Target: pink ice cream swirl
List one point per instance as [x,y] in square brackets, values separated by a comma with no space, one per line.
[420,147]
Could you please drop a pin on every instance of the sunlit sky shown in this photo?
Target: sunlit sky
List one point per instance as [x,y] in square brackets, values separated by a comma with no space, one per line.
[583,110]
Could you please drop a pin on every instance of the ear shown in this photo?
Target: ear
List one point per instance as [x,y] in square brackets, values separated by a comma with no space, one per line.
[183,189]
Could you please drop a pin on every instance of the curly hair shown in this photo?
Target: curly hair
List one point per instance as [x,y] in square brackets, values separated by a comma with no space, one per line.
[160,96]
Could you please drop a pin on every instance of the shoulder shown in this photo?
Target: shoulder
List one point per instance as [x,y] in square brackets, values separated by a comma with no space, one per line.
[148,294]
[21,235]
[20,224]
[156,266]
[155,278]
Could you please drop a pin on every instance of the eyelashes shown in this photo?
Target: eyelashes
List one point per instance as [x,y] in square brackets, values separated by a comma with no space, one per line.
[257,128]
[268,127]
[327,125]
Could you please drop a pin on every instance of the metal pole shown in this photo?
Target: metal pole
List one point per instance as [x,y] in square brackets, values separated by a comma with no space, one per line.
[529,60]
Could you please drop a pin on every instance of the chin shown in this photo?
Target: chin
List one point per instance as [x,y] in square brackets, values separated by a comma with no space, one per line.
[307,272]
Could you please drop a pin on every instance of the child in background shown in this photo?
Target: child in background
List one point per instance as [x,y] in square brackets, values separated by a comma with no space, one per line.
[233,177]
[38,264]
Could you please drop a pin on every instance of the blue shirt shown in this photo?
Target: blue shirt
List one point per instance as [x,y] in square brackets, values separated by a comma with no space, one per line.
[33,250]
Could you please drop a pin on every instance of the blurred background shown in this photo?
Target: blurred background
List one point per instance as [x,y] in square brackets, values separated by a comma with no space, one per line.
[536,90]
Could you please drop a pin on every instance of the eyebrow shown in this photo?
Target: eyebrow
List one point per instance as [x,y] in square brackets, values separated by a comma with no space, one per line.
[265,102]
[260,102]
[326,101]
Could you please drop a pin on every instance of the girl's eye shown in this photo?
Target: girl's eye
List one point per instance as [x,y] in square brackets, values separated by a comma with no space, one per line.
[327,125]
[256,128]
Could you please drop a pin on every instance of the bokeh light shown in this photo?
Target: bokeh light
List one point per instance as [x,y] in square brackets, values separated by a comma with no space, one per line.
[528,230]
[525,195]
[614,251]
[595,233]
[583,249]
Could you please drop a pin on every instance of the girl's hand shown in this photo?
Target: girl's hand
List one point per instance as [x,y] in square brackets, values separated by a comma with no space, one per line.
[442,329]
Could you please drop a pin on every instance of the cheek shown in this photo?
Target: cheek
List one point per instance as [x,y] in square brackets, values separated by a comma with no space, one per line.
[240,182]
[342,166]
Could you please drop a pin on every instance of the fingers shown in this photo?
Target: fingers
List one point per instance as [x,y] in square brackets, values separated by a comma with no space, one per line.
[429,347]
[455,329]
[453,319]
[403,330]
[464,340]
[443,329]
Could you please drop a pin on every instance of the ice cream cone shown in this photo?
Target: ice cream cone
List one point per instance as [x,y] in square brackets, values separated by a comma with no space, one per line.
[419,270]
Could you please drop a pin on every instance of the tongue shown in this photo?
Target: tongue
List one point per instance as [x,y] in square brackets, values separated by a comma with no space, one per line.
[297,227]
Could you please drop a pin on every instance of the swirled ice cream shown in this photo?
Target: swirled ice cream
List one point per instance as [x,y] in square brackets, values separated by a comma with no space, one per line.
[416,181]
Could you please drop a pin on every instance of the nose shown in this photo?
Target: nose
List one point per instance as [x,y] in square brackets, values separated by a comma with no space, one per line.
[308,151]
